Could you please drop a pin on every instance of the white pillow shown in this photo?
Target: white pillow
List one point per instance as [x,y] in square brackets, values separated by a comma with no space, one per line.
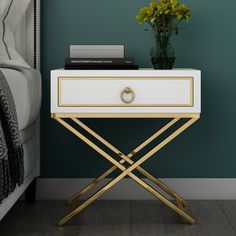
[3,6]
[9,20]
[16,12]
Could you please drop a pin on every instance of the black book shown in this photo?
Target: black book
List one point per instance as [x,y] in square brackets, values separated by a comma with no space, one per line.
[98,61]
[102,67]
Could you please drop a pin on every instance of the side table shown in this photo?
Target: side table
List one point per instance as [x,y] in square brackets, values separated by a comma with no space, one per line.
[145,93]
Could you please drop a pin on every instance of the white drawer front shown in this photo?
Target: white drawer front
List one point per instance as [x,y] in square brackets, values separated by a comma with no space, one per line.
[106,92]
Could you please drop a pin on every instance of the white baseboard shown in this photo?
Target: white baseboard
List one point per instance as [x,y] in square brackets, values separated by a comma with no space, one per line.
[203,188]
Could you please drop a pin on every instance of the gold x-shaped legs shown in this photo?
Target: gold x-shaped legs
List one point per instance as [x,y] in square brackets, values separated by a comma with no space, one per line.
[181,204]
[179,200]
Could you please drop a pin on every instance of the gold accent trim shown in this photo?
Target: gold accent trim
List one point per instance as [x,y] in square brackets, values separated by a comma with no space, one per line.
[125,115]
[191,79]
[124,78]
[179,207]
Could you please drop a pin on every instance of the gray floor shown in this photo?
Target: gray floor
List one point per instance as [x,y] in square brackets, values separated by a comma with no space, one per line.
[120,218]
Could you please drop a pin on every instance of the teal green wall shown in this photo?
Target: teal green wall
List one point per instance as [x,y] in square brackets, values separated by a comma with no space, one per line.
[208,149]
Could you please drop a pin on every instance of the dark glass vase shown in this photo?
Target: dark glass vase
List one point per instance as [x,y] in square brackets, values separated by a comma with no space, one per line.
[163,54]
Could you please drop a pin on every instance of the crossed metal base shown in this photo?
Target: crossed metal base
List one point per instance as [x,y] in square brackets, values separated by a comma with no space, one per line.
[180,206]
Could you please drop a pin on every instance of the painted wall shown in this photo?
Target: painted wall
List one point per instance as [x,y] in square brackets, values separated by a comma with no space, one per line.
[208,43]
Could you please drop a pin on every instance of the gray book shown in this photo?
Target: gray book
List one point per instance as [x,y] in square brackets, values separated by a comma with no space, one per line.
[97,51]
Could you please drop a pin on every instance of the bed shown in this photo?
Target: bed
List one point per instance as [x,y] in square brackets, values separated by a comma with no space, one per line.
[25,86]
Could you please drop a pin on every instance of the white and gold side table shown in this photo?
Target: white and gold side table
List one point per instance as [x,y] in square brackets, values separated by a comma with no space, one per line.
[144,93]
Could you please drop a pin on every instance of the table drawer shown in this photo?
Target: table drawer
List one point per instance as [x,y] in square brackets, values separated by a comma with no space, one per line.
[119,92]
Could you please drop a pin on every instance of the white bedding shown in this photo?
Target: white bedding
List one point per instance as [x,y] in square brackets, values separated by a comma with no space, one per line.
[25,85]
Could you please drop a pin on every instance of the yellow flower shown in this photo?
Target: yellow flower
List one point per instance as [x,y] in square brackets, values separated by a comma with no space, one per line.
[183,12]
[155,9]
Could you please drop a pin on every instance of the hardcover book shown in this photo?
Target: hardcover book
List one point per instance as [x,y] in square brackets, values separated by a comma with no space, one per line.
[98,61]
[102,67]
[97,51]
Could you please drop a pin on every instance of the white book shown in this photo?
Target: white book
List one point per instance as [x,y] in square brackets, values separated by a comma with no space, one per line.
[97,51]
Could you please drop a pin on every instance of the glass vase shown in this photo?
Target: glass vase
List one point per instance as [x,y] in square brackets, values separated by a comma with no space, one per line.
[163,54]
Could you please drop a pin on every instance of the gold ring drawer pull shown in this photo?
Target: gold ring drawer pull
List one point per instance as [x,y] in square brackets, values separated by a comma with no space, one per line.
[127,95]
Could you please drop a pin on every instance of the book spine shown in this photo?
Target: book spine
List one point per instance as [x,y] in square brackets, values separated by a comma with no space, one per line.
[104,67]
[96,54]
[97,47]
[98,61]
[97,51]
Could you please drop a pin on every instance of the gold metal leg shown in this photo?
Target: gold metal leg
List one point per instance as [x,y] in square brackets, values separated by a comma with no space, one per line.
[179,211]
[128,172]
[181,204]
[129,156]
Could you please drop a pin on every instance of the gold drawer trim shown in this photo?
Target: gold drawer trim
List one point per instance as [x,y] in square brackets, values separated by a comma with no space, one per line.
[60,79]
[125,115]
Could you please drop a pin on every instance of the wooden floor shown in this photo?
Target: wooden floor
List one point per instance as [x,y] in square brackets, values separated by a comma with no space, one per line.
[120,218]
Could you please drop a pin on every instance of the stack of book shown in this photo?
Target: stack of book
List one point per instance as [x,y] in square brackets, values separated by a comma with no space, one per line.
[98,57]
